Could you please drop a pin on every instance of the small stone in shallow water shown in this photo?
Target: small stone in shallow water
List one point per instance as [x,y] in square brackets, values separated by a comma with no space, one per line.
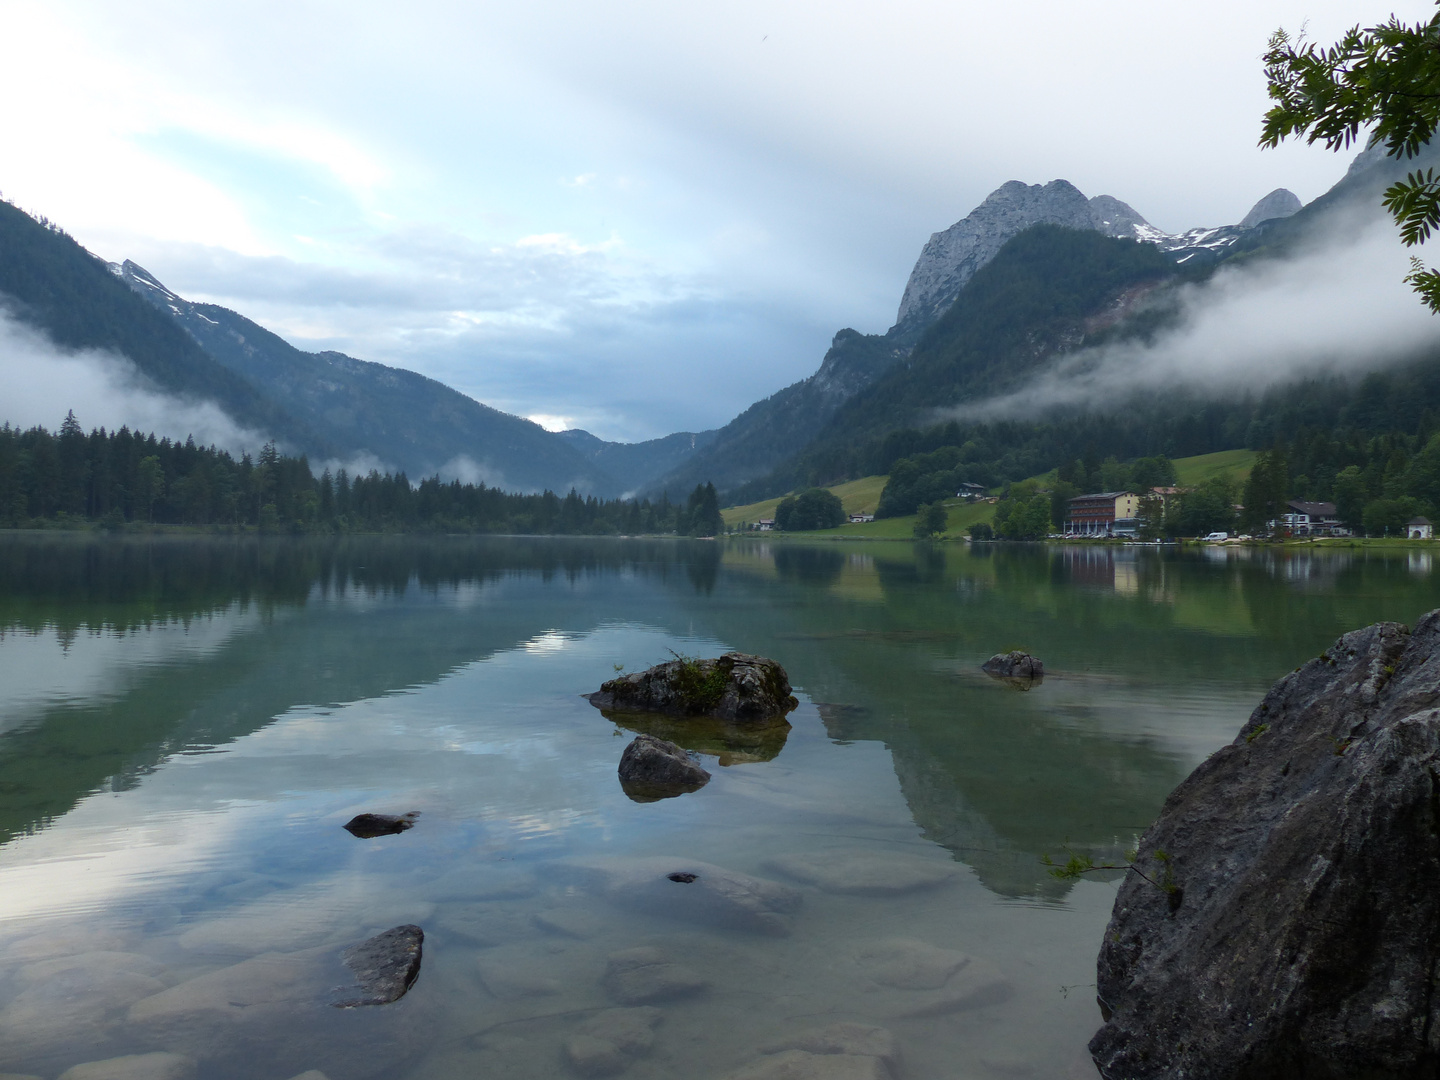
[858,1040]
[607,1043]
[385,966]
[635,976]
[367,826]
[157,1066]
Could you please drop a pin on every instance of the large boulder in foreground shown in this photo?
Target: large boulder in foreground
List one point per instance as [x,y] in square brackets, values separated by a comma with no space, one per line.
[1291,926]
[736,686]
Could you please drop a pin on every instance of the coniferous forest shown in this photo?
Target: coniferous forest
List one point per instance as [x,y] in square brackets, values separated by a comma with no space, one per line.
[121,479]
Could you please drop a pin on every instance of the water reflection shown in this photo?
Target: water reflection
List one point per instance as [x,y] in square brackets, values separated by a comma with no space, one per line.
[195,719]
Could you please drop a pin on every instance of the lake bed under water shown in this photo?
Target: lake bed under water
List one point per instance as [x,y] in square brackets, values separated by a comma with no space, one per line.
[186,724]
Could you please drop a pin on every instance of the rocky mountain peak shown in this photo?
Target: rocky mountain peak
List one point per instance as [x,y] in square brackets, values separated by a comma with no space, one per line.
[951,257]
[1280,203]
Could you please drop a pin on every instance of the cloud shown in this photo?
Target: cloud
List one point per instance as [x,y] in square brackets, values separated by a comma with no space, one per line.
[1340,307]
[42,383]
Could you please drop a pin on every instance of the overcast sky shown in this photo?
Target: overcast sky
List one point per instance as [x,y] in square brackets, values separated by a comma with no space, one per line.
[635,217]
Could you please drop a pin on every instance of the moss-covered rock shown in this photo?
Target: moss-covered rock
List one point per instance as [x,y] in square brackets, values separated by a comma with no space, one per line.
[736,686]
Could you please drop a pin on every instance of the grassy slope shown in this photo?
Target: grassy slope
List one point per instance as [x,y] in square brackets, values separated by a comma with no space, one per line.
[856,496]
[864,495]
[1196,470]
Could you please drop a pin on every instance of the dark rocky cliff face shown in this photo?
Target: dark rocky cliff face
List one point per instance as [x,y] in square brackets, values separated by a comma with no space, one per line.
[1291,926]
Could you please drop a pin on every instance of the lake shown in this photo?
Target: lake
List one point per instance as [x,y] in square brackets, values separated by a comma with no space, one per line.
[187,722]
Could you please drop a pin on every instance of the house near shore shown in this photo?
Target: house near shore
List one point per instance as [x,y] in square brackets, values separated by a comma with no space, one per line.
[861,519]
[1419,529]
[765,525]
[970,492]
[1106,513]
[1303,518]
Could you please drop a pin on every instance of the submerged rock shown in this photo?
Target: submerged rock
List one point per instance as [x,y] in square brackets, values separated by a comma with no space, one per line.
[687,889]
[864,873]
[737,687]
[366,826]
[653,769]
[934,981]
[803,1065]
[385,966]
[636,976]
[856,1040]
[610,1040]
[1290,923]
[156,1066]
[1014,665]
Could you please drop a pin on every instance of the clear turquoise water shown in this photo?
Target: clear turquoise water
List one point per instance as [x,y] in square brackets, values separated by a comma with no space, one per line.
[185,723]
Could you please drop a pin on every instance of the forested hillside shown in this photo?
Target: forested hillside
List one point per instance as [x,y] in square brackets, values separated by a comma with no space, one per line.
[123,478]
[54,285]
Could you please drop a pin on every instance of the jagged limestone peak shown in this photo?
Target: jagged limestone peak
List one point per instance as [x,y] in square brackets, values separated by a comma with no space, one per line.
[951,257]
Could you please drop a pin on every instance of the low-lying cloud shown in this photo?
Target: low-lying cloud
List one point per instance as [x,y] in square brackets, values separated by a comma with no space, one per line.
[43,382]
[1337,309]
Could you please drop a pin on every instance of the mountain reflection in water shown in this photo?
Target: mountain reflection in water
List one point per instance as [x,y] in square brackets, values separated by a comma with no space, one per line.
[186,722]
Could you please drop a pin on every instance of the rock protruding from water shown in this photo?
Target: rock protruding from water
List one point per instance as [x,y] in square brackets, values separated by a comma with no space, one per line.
[385,966]
[1288,923]
[367,826]
[736,686]
[652,769]
[1014,665]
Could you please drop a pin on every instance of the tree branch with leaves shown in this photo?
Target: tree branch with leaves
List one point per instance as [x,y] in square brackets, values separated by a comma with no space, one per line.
[1382,79]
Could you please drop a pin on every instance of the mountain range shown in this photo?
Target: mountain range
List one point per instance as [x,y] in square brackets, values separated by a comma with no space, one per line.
[1031,273]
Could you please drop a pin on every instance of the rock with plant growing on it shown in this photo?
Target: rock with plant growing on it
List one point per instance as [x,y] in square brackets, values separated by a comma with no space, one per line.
[736,687]
[1014,665]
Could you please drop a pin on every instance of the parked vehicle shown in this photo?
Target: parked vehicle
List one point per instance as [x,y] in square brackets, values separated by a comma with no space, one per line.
[1218,536]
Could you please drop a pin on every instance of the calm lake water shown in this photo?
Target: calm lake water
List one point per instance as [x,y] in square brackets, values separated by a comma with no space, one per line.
[186,723]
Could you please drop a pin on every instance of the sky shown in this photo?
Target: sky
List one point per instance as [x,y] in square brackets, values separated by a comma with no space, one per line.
[633,217]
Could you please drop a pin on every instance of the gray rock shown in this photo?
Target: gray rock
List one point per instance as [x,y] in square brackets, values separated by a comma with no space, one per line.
[156,1066]
[687,889]
[857,1040]
[737,687]
[385,966]
[800,1065]
[1013,665]
[652,769]
[864,873]
[610,1040]
[1292,927]
[637,976]
[950,258]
